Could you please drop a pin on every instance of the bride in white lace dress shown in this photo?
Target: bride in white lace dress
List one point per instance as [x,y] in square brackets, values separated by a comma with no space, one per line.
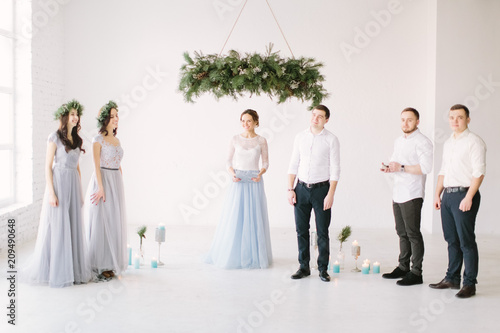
[105,200]
[242,237]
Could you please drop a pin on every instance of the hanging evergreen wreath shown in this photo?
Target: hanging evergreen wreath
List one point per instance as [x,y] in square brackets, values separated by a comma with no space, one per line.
[236,74]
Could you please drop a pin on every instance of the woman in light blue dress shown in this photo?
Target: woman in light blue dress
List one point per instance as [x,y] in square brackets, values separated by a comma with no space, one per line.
[60,256]
[105,200]
[242,237]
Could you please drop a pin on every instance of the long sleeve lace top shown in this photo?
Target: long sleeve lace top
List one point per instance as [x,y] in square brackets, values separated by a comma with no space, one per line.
[244,153]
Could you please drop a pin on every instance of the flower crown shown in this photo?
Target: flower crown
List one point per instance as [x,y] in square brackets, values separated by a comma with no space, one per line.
[66,108]
[105,110]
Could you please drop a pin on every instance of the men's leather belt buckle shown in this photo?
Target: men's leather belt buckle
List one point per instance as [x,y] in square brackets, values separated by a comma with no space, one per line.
[456,189]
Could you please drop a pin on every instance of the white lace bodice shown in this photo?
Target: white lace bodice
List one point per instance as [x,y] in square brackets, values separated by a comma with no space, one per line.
[244,154]
[111,155]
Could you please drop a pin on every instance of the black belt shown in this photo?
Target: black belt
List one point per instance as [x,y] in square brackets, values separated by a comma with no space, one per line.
[456,189]
[108,168]
[326,182]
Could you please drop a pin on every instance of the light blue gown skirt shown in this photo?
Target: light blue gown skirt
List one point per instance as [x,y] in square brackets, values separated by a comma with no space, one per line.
[242,237]
[60,258]
[107,225]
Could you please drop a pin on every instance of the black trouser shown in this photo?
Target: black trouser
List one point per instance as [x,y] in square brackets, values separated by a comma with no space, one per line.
[411,243]
[458,230]
[308,199]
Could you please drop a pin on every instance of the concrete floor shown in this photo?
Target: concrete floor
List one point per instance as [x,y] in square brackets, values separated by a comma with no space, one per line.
[187,295]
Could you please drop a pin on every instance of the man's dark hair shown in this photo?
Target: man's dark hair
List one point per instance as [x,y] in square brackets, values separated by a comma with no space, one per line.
[415,112]
[460,106]
[323,108]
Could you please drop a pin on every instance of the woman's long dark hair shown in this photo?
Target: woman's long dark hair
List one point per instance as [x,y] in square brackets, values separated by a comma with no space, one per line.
[106,122]
[62,132]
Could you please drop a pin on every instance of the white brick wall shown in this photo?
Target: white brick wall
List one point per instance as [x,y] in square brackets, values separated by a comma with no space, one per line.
[47,94]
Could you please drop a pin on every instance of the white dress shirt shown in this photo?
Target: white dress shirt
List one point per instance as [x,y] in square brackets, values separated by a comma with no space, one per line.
[414,149]
[315,158]
[464,157]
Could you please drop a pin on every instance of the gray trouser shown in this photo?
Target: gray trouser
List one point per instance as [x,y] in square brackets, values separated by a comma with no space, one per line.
[411,243]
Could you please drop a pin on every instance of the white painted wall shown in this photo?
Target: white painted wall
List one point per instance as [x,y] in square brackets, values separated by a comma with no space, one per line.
[39,88]
[172,148]
[468,72]
[131,51]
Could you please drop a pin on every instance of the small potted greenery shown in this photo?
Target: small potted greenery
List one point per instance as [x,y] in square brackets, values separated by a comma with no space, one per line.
[141,231]
[342,237]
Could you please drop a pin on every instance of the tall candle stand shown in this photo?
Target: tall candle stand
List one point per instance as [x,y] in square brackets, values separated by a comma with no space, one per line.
[356,251]
[160,238]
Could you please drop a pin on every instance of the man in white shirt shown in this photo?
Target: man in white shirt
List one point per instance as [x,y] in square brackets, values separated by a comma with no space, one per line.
[461,175]
[410,163]
[316,163]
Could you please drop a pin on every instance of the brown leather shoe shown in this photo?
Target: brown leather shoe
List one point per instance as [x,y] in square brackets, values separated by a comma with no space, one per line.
[444,284]
[466,291]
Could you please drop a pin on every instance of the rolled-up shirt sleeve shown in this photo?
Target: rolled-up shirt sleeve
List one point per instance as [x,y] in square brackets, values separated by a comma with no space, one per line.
[293,167]
[425,156]
[335,159]
[478,157]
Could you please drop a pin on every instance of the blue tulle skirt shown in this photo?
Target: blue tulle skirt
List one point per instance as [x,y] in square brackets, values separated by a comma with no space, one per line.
[242,237]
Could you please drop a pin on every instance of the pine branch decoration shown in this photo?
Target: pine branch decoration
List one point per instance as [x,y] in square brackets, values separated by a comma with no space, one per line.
[141,231]
[344,234]
[236,74]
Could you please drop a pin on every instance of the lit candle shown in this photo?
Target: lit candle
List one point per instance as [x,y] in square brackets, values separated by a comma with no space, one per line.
[336,267]
[129,249]
[137,261]
[365,269]
[356,249]
[366,261]
[154,263]
[376,267]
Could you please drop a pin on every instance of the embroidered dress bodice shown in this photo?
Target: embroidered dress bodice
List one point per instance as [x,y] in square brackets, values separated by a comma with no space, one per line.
[111,155]
[63,158]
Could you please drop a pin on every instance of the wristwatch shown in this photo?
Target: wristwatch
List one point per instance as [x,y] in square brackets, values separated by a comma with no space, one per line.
[290,189]
[402,168]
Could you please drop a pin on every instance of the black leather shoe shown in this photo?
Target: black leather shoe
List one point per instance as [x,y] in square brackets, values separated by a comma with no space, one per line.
[466,291]
[395,274]
[302,272]
[410,279]
[445,284]
[323,275]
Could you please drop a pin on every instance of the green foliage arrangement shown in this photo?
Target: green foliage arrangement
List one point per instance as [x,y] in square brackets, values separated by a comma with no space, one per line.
[236,74]
[141,231]
[66,108]
[343,235]
[105,110]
